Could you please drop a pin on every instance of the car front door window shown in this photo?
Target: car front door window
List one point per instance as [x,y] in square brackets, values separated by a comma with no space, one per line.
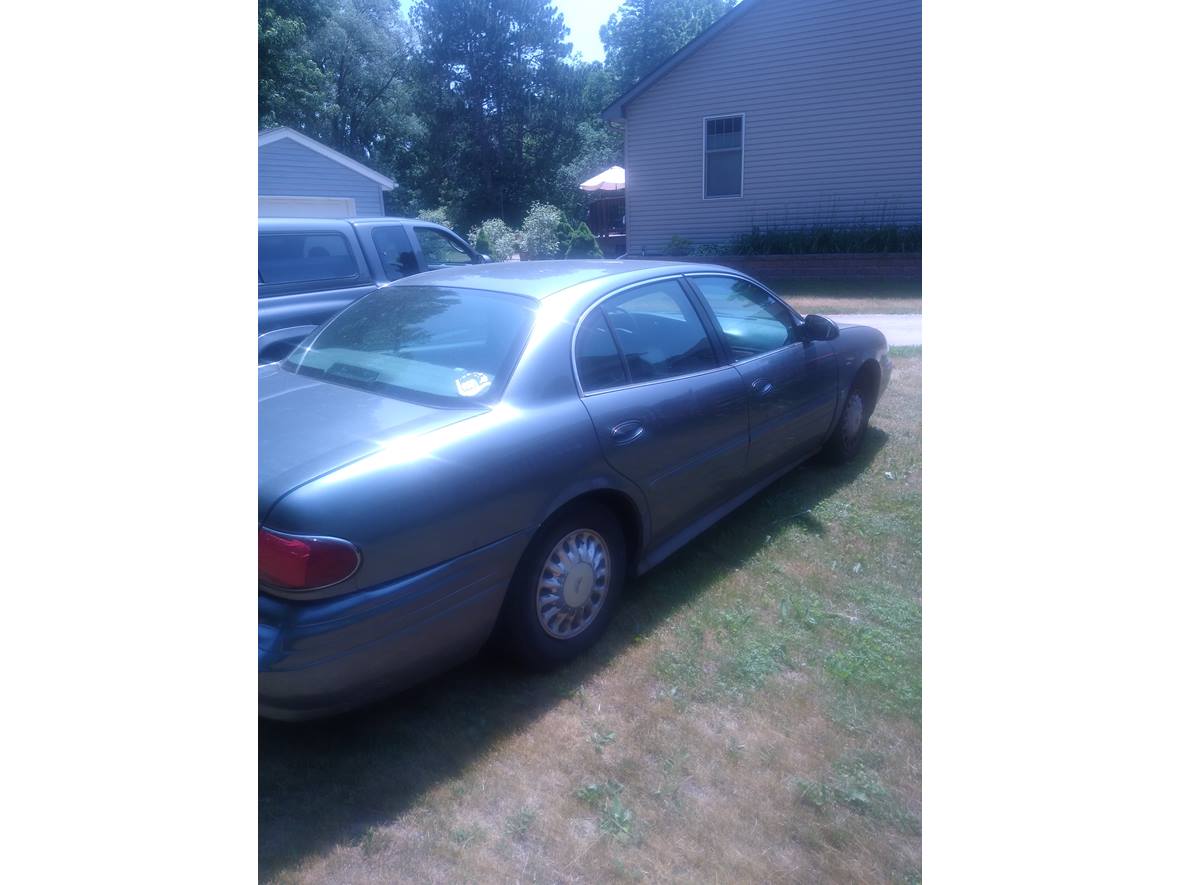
[752,322]
[440,250]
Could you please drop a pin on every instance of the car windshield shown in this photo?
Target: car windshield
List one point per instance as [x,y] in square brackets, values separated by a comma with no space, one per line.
[430,344]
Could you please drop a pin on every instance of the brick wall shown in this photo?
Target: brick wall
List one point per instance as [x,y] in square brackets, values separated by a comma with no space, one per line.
[772,268]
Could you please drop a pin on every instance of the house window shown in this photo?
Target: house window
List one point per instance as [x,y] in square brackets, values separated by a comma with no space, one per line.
[724,143]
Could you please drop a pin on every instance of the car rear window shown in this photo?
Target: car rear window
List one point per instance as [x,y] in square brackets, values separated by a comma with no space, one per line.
[430,344]
[304,257]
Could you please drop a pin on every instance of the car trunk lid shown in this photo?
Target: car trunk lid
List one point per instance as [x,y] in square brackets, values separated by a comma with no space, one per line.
[307,428]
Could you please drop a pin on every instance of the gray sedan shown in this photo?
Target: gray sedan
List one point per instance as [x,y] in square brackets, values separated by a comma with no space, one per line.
[494,450]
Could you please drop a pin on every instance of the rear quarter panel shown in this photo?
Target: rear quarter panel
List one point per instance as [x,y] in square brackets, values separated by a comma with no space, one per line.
[419,502]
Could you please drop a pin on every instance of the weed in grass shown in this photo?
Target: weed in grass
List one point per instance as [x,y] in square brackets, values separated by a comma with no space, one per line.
[373,841]
[856,785]
[465,836]
[617,820]
[614,818]
[518,823]
[601,739]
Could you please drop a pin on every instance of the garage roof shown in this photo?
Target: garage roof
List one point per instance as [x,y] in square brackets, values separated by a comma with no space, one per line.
[268,136]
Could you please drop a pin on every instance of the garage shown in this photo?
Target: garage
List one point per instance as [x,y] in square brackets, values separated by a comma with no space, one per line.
[299,177]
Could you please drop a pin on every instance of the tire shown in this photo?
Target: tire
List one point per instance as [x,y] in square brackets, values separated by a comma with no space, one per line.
[849,433]
[543,627]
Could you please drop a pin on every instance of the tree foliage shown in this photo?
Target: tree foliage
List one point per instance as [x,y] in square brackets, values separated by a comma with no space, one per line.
[643,33]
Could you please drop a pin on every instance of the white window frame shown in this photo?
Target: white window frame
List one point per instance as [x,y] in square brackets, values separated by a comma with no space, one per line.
[705,158]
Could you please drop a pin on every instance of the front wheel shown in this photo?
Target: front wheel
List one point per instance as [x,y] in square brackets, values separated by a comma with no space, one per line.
[565,589]
[846,439]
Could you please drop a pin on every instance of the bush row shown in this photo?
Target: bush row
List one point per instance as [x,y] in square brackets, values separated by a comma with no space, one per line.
[818,240]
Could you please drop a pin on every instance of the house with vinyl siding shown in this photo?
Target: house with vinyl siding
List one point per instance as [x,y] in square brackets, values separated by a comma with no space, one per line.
[784,113]
[299,177]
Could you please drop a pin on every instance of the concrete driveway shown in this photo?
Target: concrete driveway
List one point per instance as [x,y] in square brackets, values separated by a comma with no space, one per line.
[899,329]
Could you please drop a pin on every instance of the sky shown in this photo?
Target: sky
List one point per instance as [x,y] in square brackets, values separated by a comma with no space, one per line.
[584,18]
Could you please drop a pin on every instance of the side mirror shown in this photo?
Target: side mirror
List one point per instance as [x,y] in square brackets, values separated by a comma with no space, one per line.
[817,328]
[484,259]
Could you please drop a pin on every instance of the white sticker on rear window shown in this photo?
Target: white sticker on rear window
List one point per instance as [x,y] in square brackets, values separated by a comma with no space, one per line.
[472,383]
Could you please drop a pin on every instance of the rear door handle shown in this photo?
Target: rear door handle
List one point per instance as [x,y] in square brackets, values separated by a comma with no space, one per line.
[761,387]
[626,432]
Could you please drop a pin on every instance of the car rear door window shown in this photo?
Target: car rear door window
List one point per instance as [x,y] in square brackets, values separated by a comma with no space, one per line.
[659,332]
[304,257]
[751,320]
[597,358]
[395,251]
[440,249]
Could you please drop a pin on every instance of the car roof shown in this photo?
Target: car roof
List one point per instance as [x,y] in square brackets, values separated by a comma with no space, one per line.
[338,223]
[540,279]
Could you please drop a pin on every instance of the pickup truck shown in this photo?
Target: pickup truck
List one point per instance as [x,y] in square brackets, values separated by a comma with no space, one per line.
[311,268]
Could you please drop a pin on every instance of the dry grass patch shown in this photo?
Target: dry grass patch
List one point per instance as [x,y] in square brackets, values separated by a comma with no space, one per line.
[829,306]
[753,714]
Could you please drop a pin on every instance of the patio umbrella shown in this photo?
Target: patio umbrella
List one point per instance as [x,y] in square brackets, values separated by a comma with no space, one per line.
[613,179]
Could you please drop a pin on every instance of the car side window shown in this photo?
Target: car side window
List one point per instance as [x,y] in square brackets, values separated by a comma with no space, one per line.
[751,321]
[597,358]
[304,257]
[395,251]
[659,331]
[440,250]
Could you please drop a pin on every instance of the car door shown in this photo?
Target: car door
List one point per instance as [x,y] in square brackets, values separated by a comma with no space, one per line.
[668,413]
[790,382]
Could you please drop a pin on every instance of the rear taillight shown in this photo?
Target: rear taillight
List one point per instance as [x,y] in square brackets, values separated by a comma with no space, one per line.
[293,562]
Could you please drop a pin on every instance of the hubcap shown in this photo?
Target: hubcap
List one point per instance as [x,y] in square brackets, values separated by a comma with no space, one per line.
[574,583]
[853,417]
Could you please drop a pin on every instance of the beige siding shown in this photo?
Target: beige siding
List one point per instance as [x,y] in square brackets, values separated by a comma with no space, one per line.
[831,92]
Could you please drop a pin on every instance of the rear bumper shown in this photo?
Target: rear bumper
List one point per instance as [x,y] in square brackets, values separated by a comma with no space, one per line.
[324,657]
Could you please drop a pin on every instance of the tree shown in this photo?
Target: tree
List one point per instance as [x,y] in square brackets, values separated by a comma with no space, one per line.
[600,145]
[290,84]
[338,70]
[643,33]
[364,51]
[582,244]
[496,93]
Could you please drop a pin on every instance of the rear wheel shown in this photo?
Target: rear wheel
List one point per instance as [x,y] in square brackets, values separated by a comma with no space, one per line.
[846,439]
[565,589]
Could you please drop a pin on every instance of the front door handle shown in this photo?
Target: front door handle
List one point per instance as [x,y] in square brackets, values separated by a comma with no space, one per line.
[626,432]
[761,387]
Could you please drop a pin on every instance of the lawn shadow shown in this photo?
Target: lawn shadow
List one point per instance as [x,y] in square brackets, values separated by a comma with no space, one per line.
[327,782]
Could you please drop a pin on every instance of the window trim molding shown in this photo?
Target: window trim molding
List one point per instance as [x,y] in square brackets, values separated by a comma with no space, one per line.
[705,158]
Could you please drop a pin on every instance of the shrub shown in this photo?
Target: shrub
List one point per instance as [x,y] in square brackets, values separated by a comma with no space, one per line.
[438,216]
[819,240]
[582,243]
[494,238]
[678,245]
[709,249]
[541,231]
